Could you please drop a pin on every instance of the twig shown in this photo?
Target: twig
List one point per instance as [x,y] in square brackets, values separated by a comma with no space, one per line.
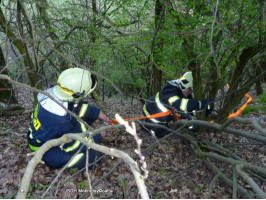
[132,131]
[174,176]
[57,188]
[215,170]
[101,178]
[211,36]
[136,155]
[119,154]
[59,174]
[234,183]
[244,144]
[234,156]
[158,27]
[8,131]
[80,137]
[87,172]
[233,162]
[219,127]
[253,121]
[251,182]
[81,170]
[212,185]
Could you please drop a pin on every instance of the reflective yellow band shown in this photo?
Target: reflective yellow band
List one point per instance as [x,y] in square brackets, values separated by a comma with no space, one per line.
[81,114]
[183,105]
[36,110]
[75,159]
[159,104]
[91,140]
[83,127]
[171,100]
[148,114]
[30,130]
[200,105]
[33,148]
[83,110]
[35,121]
[73,147]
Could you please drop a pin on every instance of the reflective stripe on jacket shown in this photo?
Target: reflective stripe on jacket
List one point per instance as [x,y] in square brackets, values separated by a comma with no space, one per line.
[46,125]
[169,98]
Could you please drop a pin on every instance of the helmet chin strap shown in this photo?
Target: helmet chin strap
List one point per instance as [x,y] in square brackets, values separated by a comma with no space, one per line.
[78,94]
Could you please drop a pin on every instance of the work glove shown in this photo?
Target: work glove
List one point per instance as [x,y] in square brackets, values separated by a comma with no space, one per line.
[188,117]
[209,108]
[202,104]
[193,128]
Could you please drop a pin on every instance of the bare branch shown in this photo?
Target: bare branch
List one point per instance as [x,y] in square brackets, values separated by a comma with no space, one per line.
[87,172]
[234,183]
[219,127]
[212,185]
[251,182]
[80,137]
[253,121]
[216,170]
[132,131]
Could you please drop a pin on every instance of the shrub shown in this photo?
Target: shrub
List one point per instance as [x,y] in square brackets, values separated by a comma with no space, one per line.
[249,109]
[262,98]
[264,108]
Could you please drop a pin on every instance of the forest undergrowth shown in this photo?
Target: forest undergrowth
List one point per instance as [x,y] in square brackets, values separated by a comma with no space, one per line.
[174,170]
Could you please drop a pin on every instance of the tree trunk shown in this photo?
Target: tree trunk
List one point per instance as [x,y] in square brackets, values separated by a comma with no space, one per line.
[23,50]
[156,48]
[235,94]
[259,90]
[157,79]
[7,93]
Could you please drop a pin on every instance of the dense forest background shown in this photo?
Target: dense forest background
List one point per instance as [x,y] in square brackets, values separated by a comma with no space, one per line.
[134,47]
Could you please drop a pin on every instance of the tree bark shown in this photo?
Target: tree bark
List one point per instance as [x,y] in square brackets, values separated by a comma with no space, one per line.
[234,95]
[157,46]
[7,92]
[23,50]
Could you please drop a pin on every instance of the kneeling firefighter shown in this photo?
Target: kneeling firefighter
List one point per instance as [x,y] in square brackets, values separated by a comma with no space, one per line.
[177,95]
[50,121]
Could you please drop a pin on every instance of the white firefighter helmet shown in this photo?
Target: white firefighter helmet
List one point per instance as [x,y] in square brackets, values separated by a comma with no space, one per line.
[74,84]
[185,81]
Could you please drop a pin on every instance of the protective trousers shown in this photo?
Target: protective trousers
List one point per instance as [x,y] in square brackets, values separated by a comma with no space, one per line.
[57,158]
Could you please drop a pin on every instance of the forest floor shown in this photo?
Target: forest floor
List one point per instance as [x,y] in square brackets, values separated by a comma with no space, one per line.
[174,170]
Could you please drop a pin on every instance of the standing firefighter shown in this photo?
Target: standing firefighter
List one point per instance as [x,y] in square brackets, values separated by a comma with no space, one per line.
[176,95]
[50,121]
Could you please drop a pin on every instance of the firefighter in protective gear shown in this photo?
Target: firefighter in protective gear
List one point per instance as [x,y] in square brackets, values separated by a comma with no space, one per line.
[50,121]
[177,96]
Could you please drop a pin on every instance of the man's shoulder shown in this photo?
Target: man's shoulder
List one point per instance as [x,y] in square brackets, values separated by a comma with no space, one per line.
[171,89]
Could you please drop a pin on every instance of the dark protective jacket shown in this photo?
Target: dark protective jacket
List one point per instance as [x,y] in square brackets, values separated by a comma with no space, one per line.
[50,121]
[169,98]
